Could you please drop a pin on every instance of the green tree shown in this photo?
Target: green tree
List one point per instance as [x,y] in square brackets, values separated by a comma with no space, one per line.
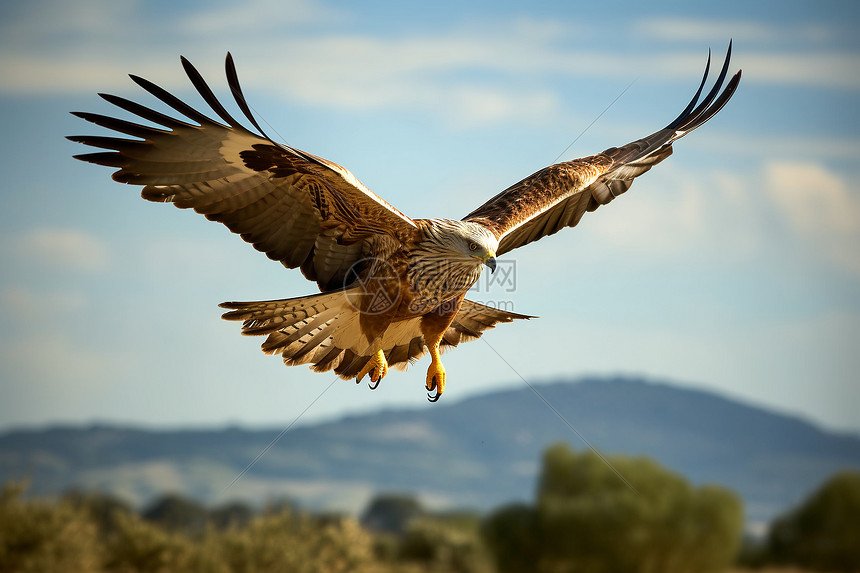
[512,537]
[587,520]
[823,532]
[177,513]
[138,546]
[38,535]
[234,514]
[290,543]
[391,513]
[445,542]
[103,509]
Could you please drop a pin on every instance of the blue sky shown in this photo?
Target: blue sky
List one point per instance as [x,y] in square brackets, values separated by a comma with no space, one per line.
[733,266]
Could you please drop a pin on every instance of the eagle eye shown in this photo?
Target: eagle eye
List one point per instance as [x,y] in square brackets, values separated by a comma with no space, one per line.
[473,246]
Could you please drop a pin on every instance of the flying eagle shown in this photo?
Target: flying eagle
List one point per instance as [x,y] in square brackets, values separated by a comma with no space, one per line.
[392,287]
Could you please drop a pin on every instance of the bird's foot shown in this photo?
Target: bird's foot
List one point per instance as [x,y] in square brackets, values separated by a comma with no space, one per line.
[377,367]
[435,380]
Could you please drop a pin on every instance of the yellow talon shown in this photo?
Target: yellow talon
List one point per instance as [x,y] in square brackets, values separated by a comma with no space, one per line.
[435,374]
[377,367]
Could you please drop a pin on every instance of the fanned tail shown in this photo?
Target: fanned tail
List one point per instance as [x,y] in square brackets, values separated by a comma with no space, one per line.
[323,331]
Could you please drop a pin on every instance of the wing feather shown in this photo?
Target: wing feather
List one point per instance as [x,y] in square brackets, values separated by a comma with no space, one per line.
[473,318]
[302,210]
[558,196]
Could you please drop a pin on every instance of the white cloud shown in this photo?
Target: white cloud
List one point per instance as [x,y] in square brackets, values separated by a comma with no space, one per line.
[53,358]
[691,29]
[787,146]
[258,16]
[519,60]
[68,248]
[674,211]
[41,25]
[482,106]
[819,206]
[45,74]
[821,70]
[813,198]
[336,71]
[656,224]
[25,303]
[743,31]
[361,72]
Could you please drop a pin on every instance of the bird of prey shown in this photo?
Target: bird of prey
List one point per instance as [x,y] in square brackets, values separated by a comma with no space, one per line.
[392,287]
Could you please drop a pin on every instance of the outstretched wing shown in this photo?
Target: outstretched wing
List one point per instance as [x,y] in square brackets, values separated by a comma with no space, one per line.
[557,196]
[473,319]
[299,209]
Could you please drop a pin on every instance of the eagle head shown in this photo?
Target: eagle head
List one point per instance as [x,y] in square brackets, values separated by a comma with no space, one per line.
[463,243]
[480,244]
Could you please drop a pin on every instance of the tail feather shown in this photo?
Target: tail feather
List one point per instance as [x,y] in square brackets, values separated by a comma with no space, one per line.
[303,354]
[328,359]
[350,364]
[262,317]
[323,331]
[319,322]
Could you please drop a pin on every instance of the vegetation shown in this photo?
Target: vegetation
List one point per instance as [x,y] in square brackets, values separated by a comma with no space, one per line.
[74,534]
[584,519]
[391,513]
[450,543]
[39,536]
[822,533]
[587,520]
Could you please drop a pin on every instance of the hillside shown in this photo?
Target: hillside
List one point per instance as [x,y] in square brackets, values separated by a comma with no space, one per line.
[480,452]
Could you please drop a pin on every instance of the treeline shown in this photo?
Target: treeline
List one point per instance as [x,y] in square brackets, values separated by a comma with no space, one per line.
[584,519]
[821,534]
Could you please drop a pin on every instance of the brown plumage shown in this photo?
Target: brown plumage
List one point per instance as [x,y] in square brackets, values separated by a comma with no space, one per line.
[559,195]
[392,287]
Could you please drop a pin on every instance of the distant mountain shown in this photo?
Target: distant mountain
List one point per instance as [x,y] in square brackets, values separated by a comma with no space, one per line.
[479,453]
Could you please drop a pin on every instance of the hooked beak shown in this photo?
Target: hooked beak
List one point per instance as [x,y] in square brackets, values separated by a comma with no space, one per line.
[491,263]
